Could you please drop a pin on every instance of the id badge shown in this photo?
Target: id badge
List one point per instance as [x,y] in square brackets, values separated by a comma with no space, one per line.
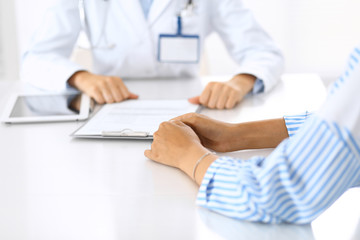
[178,48]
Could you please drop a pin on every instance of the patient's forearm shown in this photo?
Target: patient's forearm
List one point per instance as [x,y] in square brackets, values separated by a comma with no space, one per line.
[258,134]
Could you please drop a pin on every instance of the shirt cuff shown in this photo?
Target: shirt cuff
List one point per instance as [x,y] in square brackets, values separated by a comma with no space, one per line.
[294,122]
[259,86]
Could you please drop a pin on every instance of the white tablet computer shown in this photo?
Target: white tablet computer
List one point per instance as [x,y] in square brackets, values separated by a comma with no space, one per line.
[47,108]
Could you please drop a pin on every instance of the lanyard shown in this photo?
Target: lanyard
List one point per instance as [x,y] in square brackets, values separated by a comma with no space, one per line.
[179,25]
[186,12]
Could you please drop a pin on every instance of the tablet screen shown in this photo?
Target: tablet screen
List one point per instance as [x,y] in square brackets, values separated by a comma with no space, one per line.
[46,105]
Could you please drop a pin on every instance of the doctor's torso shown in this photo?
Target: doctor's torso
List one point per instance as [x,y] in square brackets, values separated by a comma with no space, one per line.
[134,40]
[122,23]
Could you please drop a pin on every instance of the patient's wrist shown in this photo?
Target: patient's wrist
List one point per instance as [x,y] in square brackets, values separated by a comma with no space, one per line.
[190,157]
[237,137]
[203,166]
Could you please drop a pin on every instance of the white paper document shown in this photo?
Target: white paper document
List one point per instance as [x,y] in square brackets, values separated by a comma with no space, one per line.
[133,118]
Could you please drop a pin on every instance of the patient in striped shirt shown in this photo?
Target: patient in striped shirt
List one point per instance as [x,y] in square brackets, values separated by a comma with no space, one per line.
[317,157]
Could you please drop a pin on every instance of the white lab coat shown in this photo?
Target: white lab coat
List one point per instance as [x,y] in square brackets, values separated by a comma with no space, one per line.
[46,62]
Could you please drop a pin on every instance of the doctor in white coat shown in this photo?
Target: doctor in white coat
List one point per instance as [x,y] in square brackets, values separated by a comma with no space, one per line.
[124,41]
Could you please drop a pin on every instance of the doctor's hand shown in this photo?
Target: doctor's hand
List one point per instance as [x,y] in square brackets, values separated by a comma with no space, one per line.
[175,144]
[221,95]
[104,89]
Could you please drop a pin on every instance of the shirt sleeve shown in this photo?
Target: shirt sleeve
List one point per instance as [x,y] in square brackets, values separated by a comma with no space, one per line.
[353,63]
[343,103]
[303,176]
[46,61]
[247,42]
[294,122]
[259,86]
[295,184]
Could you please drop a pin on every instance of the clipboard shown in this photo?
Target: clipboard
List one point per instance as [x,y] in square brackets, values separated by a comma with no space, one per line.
[133,119]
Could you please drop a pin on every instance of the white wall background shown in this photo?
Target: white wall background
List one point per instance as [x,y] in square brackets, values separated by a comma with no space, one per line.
[9,61]
[1,45]
[315,35]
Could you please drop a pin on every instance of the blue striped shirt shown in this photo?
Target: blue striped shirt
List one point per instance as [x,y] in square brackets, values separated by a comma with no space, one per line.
[305,174]
[353,62]
[294,122]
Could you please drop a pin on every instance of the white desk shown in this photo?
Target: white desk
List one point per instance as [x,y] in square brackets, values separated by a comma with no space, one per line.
[56,187]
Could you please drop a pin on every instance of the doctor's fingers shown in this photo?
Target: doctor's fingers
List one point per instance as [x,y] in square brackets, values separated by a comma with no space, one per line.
[125,93]
[205,95]
[216,91]
[232,100]
[96,94]
[228,98]
[114,85]
[107,91]
[116,90]
[224,94]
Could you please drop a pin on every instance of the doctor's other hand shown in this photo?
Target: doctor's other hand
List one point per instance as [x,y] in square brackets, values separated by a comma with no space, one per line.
[103,89]
[175,144]
[221,95]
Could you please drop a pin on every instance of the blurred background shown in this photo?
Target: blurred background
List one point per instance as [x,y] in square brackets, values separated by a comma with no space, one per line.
[316,36]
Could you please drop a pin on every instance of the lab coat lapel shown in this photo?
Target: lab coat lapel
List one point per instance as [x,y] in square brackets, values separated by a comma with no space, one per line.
[157,8]
[133,11]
